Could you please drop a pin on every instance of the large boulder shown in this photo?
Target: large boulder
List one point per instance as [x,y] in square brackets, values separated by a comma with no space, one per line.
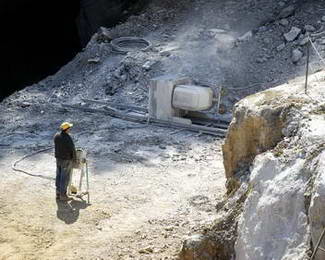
[262,120]
[274,224]
[198,247]
[292,34]
[256,127]
[284,211]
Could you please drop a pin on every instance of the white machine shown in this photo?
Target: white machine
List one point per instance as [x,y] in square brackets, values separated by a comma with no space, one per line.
[81,165]
[192,98]
[171,98]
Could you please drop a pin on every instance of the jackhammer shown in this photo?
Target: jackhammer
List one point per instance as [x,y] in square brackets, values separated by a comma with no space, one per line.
[80,164]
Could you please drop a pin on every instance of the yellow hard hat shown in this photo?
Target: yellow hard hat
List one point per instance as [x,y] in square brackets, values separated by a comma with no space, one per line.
[65,126]
[73,189]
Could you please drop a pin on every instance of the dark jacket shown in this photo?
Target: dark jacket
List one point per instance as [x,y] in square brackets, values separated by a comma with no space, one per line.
[64,146]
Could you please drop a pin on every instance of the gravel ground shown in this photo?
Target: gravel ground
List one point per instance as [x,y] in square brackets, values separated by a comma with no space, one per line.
[149,188]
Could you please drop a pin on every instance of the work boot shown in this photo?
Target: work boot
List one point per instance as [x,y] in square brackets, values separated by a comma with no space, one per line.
[65,198]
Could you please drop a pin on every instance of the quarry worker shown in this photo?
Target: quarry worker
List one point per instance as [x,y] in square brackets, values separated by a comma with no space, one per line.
[65,154]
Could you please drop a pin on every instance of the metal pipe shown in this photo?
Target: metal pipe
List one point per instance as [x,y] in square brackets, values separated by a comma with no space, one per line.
[307,68]
[144,119]
[317,245]
[219,99]
[87,178]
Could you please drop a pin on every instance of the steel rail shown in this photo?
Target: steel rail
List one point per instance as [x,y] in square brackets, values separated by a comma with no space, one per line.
[148,120]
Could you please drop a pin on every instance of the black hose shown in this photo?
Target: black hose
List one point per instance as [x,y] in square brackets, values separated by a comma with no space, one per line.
[125,44]
[14,165]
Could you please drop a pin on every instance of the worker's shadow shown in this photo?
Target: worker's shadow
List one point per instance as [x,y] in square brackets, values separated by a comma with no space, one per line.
[69,211]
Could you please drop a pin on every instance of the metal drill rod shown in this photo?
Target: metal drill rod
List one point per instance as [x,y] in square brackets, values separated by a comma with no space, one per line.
[317,245]
[87,178]
[307,68]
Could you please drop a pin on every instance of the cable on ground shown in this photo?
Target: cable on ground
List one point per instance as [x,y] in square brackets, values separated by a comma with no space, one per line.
[123,45]
[14,165]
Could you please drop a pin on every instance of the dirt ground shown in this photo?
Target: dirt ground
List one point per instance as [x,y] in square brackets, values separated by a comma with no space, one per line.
[146,194]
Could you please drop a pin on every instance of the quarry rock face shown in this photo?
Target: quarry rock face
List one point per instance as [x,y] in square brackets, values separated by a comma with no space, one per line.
[260,122]
[283,214]
[317,206]
[256,127]
[274,223]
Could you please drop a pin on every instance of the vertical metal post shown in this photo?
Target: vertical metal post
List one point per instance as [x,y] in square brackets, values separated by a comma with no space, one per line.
[317,244]
[82,173]
[219,99]
[307,67]
[87,178]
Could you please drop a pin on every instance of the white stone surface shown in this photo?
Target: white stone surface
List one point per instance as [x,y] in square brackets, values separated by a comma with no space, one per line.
[292,34]
[274,224]
[317,206]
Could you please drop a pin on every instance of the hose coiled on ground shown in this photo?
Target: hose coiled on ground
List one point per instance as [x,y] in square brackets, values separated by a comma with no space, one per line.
[123,45]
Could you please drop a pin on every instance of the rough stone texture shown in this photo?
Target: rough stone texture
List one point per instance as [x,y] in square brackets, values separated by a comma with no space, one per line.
[286,12]
[309,28]
[284,22]
[218,240]
[281,47]
[198,247]
[296,55]
[317,206]
[274,224]
[256,127]
[284,210]
[304,41]
[206,247]
[259,121]
[292,34]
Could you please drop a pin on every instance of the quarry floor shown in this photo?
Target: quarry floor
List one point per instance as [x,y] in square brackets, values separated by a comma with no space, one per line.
[151,189]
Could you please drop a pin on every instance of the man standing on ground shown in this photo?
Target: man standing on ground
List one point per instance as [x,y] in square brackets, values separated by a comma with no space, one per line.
[65,154]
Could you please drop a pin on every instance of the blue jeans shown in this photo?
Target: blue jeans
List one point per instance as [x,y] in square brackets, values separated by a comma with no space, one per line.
[63,174]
